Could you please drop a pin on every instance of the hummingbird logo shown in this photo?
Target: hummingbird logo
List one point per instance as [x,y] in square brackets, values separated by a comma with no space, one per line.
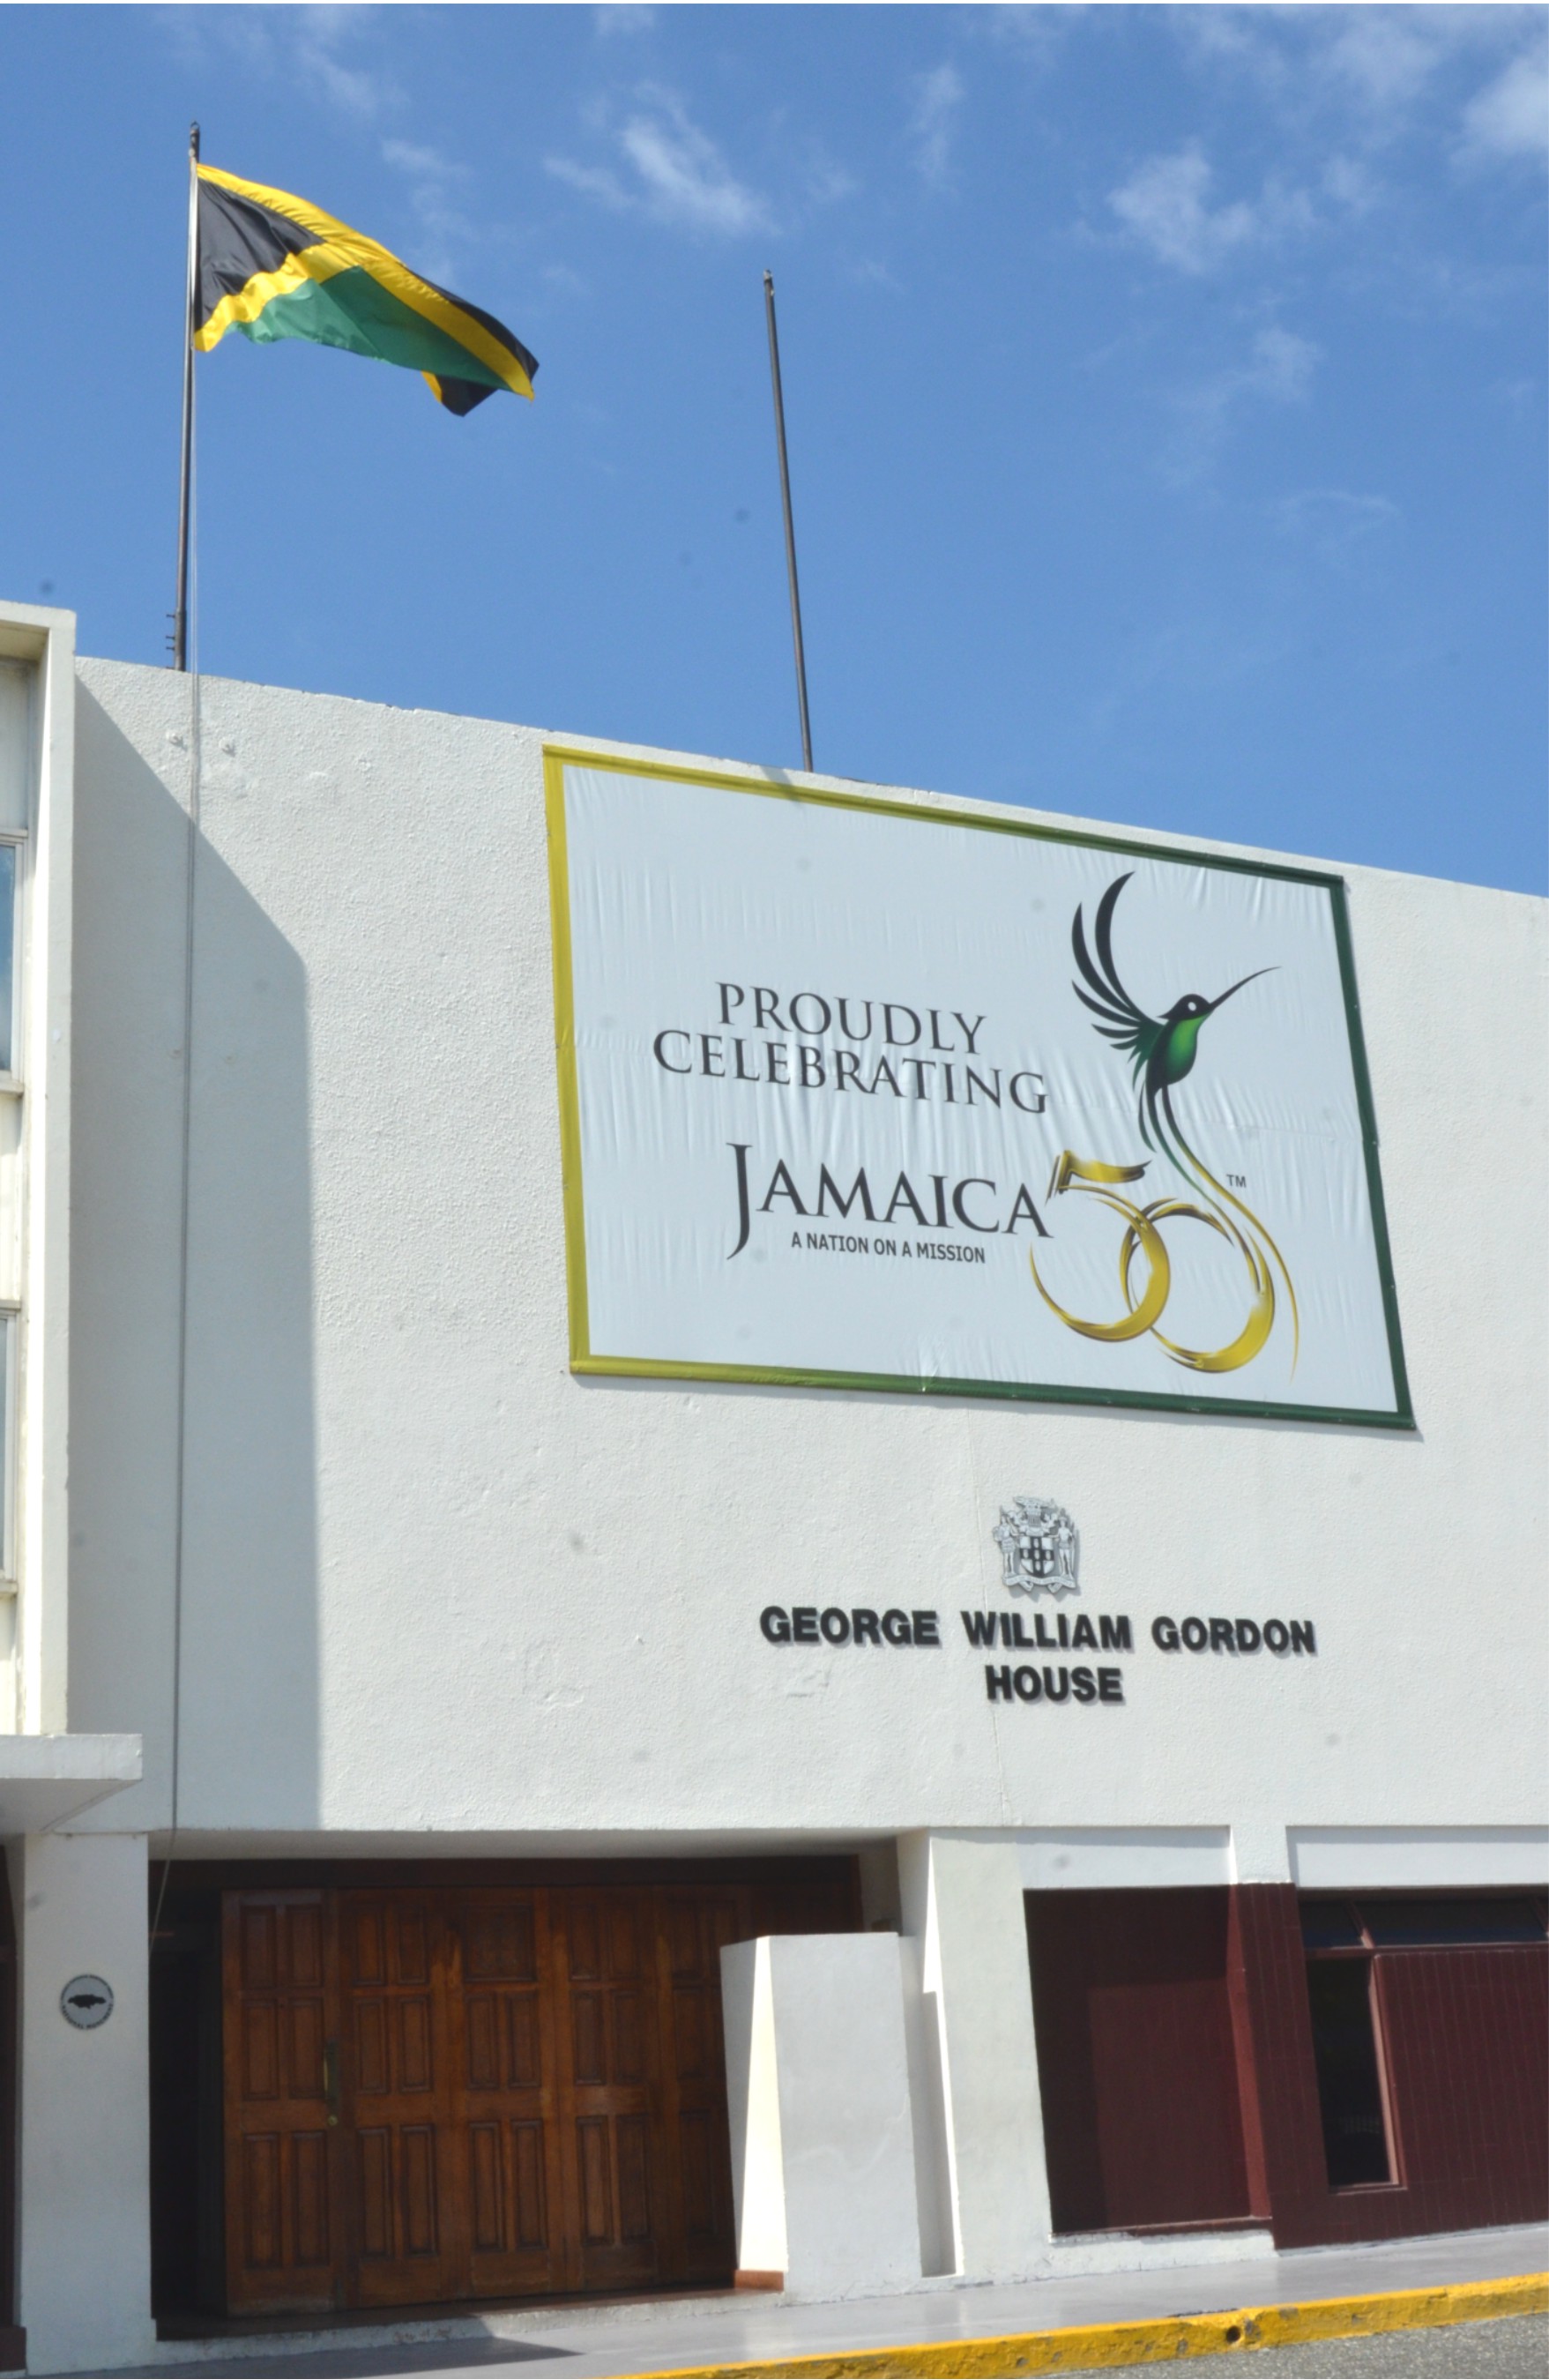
[1162,1053]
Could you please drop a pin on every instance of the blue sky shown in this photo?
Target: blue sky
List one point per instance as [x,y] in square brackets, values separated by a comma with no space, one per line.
[1166,390]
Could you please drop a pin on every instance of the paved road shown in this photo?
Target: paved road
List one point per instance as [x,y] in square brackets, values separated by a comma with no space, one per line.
[1517,2348]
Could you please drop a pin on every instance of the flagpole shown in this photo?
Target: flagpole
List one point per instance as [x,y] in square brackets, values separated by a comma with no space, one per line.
[789,526]
[184,486]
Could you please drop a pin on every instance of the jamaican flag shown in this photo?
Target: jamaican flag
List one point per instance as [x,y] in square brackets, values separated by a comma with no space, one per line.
[274,267]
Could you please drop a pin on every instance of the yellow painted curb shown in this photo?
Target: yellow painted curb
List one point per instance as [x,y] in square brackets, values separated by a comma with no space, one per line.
[1101,2346]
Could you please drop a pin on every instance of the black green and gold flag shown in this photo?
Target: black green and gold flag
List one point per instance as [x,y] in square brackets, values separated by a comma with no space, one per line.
[274,267]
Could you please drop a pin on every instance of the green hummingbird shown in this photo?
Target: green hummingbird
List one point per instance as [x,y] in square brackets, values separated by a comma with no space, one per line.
[1162,1049]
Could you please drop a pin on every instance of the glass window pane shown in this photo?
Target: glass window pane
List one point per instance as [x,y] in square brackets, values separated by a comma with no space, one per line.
[1350,2088]
[7,950]
[16,741]
[1397,1924]
[1329,1926]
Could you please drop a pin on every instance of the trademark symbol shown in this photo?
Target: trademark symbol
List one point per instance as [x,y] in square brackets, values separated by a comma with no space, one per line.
[1238,1180]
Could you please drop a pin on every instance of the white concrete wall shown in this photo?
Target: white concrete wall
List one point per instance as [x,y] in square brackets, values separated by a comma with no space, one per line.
[979,2134]
[84,2169]
[818,2102]
[37,782]
[437,1588]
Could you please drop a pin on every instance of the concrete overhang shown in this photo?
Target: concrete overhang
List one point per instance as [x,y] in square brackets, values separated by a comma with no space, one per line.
[47,1779]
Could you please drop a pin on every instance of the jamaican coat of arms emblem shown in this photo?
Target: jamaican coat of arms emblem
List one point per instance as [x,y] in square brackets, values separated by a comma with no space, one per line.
[1040,1547]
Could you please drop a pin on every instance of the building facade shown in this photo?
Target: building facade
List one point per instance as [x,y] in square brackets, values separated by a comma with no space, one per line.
[566,1769]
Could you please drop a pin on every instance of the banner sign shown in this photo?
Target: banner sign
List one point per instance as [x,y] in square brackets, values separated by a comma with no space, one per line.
[867,1094]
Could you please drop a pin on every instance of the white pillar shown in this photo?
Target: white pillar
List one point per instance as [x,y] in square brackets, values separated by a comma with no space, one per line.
[84,2171]
[822,2145]
[982,2142]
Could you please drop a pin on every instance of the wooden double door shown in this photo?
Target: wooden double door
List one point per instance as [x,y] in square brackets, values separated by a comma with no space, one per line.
[458,2093]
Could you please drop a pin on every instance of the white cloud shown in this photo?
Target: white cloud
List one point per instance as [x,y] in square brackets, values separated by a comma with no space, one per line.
[1333,520]
[1165,205]
[592,181]
[1033,32]
[433,179]
[1277,370]
[686,177]
[674,172]
[622,19]
[316,50]
[933,122]
[322,37]
[1281,367]
[1385,56]
[1509,118]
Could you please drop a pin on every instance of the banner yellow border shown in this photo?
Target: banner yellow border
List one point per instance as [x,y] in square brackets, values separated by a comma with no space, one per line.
[557,757]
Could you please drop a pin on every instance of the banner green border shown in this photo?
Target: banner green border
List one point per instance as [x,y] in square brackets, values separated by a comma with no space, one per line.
[584,1360]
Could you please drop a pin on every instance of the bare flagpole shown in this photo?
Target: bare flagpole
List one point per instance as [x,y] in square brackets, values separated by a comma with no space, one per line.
[185,488]
[789,526]
[180,661]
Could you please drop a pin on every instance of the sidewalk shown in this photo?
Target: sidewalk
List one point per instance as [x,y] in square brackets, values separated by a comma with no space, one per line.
[599,2343]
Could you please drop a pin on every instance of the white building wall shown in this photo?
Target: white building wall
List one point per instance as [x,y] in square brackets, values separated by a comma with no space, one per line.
[83,2292]
[436,1587]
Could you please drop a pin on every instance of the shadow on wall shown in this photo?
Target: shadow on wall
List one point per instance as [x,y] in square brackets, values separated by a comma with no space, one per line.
[249,1729]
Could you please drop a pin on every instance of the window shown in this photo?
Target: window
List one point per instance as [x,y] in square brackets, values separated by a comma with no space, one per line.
[1441,1925]
[1349,2078]
[1341,1939]
[8,956]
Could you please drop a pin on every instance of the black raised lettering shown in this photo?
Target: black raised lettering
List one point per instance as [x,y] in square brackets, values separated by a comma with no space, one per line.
[1026,1684]
[979,1627]
[926,1628]
[1084,1685]
[1117,1639]
[1302,1638]
[1110,1685]
[864,1625]
[775,1621]
[895,1627]
[1221,1637]
[998,1683]
[1248,1635]
[804,1624]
